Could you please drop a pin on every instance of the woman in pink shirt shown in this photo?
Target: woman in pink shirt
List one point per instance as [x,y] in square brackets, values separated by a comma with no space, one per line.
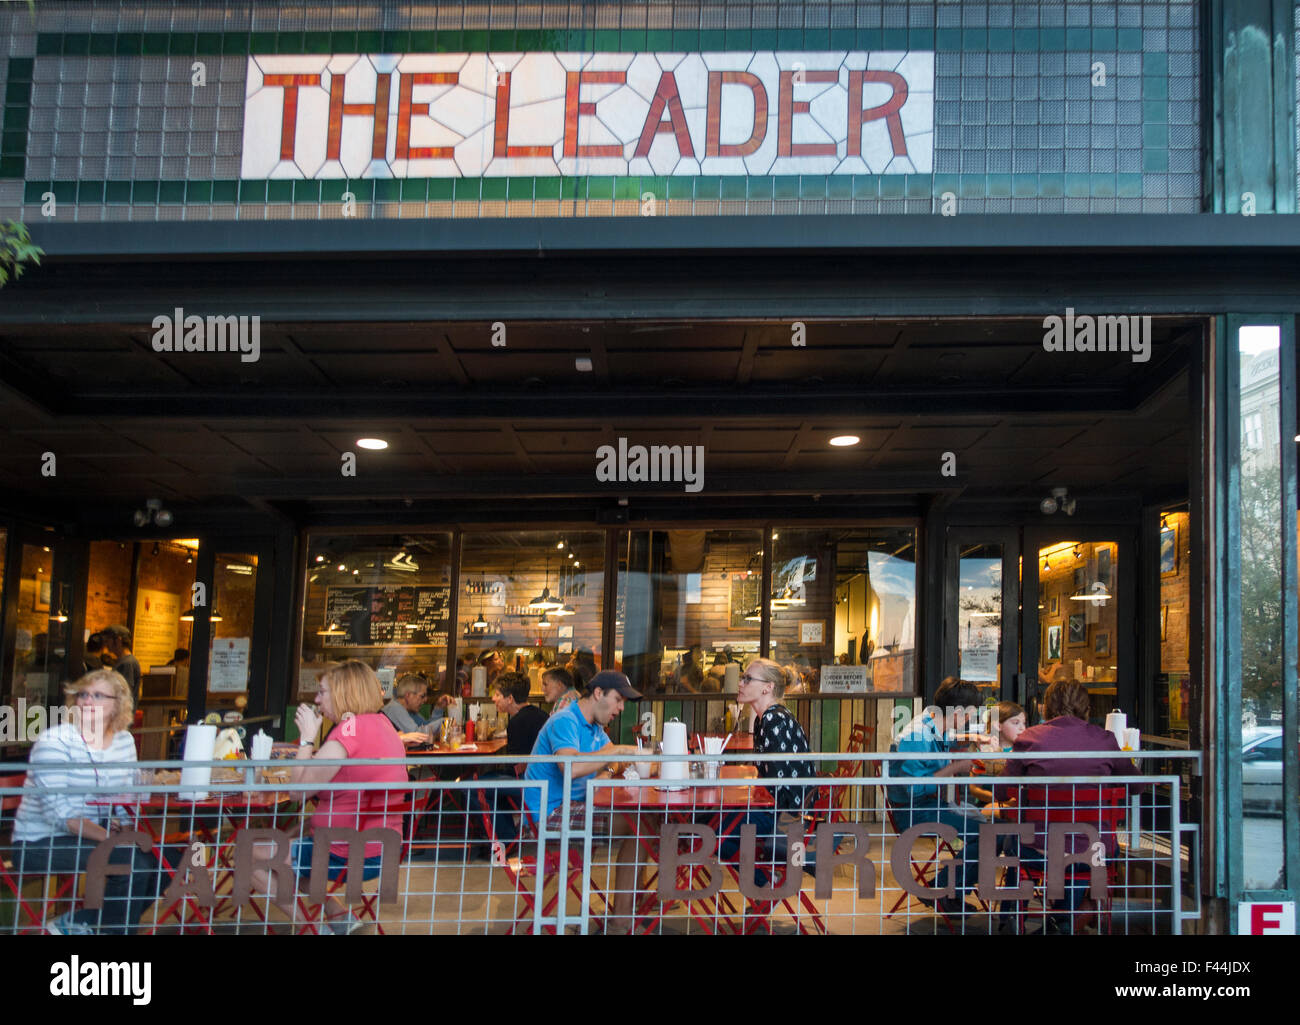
[350,694]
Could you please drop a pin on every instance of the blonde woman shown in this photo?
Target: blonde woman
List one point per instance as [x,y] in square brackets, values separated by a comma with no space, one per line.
[56,831]
[776,730]
[350,694]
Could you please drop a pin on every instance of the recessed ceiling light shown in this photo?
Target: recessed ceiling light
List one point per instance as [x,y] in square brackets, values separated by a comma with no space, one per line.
[376,444]
[845,440]
[582,364]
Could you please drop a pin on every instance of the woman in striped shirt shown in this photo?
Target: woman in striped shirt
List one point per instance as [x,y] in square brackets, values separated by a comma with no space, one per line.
[55,831]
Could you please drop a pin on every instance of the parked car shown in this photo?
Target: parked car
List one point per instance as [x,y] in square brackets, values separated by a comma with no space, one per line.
[1261,768]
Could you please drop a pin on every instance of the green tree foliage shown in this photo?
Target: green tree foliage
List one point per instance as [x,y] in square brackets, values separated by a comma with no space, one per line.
[1261,585]
[16,250]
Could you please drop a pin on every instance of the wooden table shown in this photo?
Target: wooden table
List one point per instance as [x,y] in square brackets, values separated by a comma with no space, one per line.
[479,747]
[722,808]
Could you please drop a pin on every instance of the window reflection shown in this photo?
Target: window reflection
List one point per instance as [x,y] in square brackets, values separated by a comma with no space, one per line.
[1261,606]
[979,617]
[688,608]
[846,596]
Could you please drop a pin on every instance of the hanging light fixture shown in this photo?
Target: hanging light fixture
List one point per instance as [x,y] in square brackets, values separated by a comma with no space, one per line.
[544,623]
[61,614]
[1047,566]
[545,602]
[480,623]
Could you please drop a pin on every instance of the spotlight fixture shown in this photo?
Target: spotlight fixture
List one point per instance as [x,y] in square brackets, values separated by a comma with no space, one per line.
[1047,566]
[189,558]
[320,558]
[1058,499]
[155,548]
[153,512]
[1078,553]
[560,544]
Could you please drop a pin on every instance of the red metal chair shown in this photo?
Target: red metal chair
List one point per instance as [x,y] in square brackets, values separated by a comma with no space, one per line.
[31,909]
[404,801]
[1103,808]
[861,740]
[521,868]
[922,871]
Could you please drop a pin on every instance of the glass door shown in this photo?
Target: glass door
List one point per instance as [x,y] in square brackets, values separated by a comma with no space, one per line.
[1079,590]
[37,622]
[981,640]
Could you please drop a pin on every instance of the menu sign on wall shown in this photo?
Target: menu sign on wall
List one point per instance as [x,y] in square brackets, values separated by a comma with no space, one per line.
[387,615]
[156,628]
[459,115]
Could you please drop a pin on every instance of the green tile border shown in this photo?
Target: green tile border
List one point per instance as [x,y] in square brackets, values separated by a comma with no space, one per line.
[599,40]
[729,189]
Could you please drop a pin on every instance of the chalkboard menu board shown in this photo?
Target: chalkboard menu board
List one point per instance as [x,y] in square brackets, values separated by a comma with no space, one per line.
[387,615]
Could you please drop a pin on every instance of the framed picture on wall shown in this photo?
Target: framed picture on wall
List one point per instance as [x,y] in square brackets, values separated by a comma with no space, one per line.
[41,599]
[1080,579]
[1053,642]
[1103,565]
[743,602]
[811,631]
[1101,642]
[1169,550]
[1054,605]
[1078,631]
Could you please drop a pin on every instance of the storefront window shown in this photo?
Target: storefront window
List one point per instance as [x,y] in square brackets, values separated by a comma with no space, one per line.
[845,597]
[1261,611]
[687,607]
[1175,606]
[1077,610]
[979,617]
[233,595]
[384,599]
[40,647]
[535,596]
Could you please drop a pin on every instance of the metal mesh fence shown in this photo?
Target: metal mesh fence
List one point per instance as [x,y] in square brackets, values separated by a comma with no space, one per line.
[457,850]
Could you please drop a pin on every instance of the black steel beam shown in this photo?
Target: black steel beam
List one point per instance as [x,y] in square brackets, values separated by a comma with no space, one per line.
[459,410]
[546,236]
[371,487]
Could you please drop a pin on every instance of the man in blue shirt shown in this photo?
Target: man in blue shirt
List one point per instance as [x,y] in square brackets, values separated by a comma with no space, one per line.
[579,730]
[928,734]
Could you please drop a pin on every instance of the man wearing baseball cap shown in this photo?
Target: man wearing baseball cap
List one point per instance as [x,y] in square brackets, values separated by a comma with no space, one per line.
[579,730]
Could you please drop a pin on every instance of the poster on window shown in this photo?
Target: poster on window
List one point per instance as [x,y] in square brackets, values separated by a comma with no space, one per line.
[228,665]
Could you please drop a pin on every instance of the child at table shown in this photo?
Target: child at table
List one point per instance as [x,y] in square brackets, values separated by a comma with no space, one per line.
[1007,720]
